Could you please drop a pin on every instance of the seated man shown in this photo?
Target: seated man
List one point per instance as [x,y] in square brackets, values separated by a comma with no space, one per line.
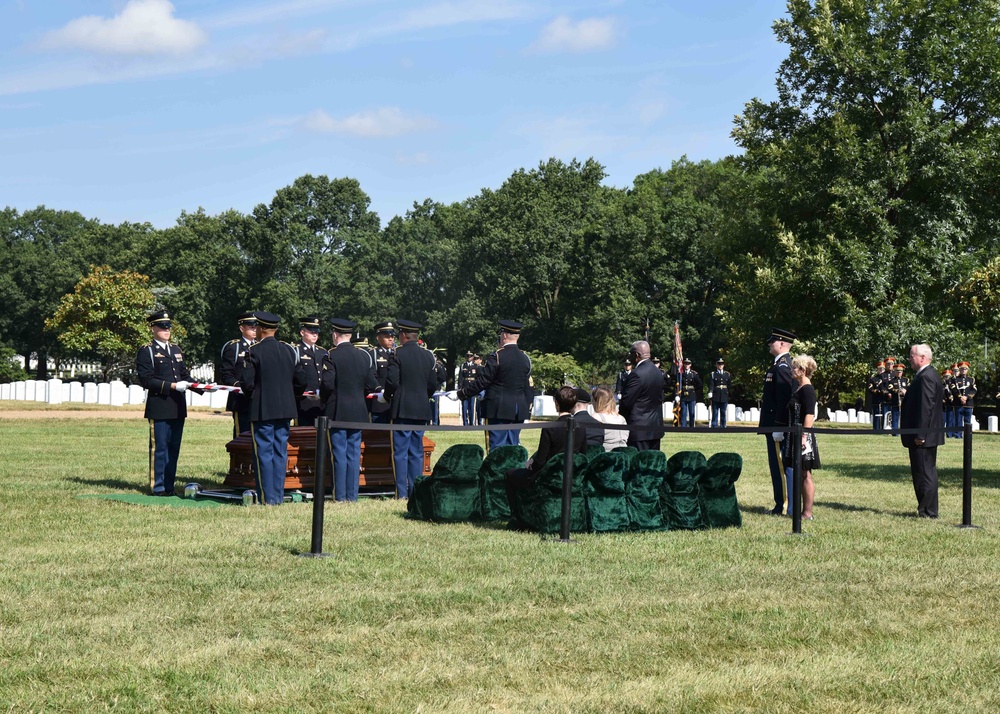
[593,430]
[552,441]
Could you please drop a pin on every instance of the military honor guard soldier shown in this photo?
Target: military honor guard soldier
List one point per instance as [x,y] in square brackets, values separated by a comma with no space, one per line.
[165,377]
[271,377]
[233,354]
[467,374]
[311,358]
[347,379]
[778,387]
[875,396]
[506,377]
[409,389]
[718,393]
[691,385]
[385,337]
[896,389]
[964,398]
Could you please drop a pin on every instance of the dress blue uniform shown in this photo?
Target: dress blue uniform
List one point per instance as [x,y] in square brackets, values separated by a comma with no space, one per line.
[311,360]
[410,384]
[233,354]
[718,392]
[347,378]
[467,377]
[271,375]
[162,373]
[380,356]
[778,387]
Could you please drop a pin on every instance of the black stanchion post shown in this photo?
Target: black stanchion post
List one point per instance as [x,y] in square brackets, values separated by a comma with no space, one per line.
[967,477]
[319,491]
[796,494]
[567,494]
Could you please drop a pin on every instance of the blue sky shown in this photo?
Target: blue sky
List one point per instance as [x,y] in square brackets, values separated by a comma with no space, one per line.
[134,110]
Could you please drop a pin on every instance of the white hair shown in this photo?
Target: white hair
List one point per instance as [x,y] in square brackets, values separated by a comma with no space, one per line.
[924,350]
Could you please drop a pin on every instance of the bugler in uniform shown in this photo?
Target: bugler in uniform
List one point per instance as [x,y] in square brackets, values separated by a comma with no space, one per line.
[233,354]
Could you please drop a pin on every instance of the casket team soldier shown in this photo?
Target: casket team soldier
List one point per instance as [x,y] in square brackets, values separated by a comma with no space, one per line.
[467,374]
[718,393]
[165,377]
[778,388]
[965,396]
[233,354]
[311,358]
[271,377]
[385,338]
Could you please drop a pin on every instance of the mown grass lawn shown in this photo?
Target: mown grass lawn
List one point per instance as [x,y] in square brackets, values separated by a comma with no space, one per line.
[111,606]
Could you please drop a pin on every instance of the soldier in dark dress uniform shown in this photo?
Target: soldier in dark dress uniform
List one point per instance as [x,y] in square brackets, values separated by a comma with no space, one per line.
[691,385]
[233,354]
[311,358]
[875,397]
[385,337]
[894,398]
[165,377]
[271,377]
[347,379]
[466,377]
[965,396]
[409,387]
[718,393]
[778,387]
[948,401]
[620,379]
[441,374]
[506,377]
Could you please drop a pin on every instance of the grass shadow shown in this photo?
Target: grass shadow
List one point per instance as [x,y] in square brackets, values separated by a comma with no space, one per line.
[949,477]
[116,484]
[852,508]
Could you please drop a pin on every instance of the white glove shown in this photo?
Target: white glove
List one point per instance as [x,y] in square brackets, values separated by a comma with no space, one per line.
[453,395]
[677,400]
[709,395]
[181,386]
[778,436]
[381,398]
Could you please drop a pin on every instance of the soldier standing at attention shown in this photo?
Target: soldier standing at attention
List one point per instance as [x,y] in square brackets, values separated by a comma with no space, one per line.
[233,354]
[506,377]
[409,389]
[620,380]
[311,358]
[965,395]
[385,337]
[690,395]
[948,400]
[348,378]
[896,390]
[271,377]
[466,377]
[778,388]
[479,397]
[874,391]
[718,393]
[163,374]
[441,374]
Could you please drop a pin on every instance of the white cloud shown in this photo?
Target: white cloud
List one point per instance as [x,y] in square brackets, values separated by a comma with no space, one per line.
[144,27]
[564,35]
[418,159]
[370,124]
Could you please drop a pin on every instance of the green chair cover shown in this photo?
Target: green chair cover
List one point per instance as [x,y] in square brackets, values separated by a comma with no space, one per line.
[541,505]
[642,490]
[679,495]
[604,487]
[593,451]
[718,490]
[492,494]
[451,492]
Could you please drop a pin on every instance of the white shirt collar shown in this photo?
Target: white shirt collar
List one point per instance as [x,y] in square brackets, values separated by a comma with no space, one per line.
[779,357]
[162,345]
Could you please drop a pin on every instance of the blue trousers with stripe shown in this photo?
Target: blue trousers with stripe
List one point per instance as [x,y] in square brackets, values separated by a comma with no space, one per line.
[345,452]
[164,448]
[270,450]
[407,456]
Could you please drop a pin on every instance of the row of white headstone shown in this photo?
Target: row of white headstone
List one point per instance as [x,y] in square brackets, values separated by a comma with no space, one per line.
[116,393]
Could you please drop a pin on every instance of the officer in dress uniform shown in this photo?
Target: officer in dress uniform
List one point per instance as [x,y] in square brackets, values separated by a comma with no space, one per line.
[466,377]
[690,393]
[233,354]
[409,389]
[311,358]
[965,396]
[347,379]
[506,377]
[165,377]
[620,379]
[890,370]
[778,388]
[948,400]
[271,376]
[482,394]
[895,391]
[718,393]
[874,392]
[385,338]
[441,374]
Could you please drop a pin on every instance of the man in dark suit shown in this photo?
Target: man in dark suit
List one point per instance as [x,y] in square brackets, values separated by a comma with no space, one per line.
[347,379]
[591,428]
[271,377]
[921,409]
[233,354]
[409,386]
[506,377]
[778,387]
[642,399]
[311,358]
[163,374]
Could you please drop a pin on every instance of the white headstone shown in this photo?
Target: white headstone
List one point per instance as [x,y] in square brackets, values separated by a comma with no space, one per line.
[544,405]
[198,400]
[701,412]
[119,393]
[76,392]
[220,398]
[731,412]
[5,391]
[447,407]
[29,390]
[754,414]
[55,391]
[104,393]
[136,394]
[66,391]
[19,391]
[975,424]
[993,424]
[90,393]
[41,391]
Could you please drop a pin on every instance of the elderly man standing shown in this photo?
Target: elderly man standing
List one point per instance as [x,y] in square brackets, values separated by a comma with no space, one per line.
[778,387]
[921,409]
[506,377]
[642,399]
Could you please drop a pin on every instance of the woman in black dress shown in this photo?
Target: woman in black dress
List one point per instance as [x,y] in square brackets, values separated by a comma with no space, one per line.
[801,410]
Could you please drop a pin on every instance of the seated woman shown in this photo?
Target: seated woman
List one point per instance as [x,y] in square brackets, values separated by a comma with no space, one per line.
[551,442]
[606,412]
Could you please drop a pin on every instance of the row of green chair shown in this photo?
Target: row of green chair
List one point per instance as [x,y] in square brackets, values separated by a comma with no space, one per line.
[620,490]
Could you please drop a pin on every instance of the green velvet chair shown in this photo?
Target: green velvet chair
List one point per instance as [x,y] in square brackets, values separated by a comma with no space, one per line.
[492,494]
[541,505]
[718,490]
[451,492]
[593,451]
[629,451]
[604,487]
[643,481]
[679,494]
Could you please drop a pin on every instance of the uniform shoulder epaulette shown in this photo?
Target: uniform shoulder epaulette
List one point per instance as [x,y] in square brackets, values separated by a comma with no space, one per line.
[233,341]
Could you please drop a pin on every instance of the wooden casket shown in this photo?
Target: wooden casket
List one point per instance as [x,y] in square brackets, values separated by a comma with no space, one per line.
[376,461]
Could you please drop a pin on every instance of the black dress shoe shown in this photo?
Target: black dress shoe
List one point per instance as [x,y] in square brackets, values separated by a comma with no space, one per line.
[776,511]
